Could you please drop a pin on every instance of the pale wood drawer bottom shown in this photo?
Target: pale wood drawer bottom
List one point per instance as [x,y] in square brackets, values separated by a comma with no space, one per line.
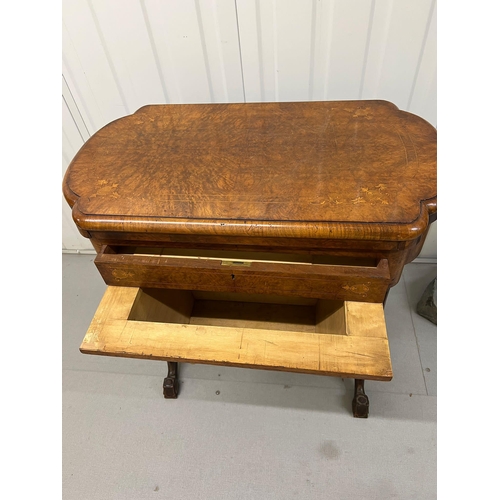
[347,339]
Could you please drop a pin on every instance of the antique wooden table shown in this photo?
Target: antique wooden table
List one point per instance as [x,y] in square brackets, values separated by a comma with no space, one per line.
[254,235]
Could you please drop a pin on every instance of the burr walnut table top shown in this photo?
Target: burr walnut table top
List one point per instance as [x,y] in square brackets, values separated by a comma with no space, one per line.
[344,169]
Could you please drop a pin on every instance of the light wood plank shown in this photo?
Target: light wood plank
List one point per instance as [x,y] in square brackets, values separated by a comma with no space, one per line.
[330,317]
[254,297]
[166,306]
[321,354]
[112,333]
[254,315]
[240,256]
[116,303]
[365,320]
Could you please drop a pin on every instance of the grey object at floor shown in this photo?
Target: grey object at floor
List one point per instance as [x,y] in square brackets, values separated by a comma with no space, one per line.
[427,306]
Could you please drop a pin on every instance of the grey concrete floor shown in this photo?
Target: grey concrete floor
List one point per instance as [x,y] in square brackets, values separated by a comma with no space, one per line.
[237,433]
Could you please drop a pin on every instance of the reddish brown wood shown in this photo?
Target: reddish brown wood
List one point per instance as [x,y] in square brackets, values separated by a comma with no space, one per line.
[345,170]
[206,241]
[397,254]
[347,178]
[366,284]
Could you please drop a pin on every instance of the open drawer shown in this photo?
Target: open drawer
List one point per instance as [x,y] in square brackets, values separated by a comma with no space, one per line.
[325,337]
[315,276]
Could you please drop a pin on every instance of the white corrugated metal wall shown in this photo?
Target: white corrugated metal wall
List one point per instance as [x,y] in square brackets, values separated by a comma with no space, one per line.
[119,55]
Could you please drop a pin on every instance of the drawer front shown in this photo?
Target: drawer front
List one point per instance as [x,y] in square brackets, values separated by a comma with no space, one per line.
[321,281]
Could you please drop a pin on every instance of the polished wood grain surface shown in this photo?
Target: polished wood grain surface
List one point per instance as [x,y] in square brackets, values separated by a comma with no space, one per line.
[344,282]
[360,170]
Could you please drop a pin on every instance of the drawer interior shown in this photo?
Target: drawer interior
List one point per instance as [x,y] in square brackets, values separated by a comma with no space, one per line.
[230,257]
[266,312]
[325,337]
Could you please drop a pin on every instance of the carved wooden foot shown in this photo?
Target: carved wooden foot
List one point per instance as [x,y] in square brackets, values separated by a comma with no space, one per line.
[360,403]
[171,382]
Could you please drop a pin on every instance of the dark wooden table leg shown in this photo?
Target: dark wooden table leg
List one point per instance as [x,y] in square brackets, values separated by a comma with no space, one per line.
[171,382]
[360,403]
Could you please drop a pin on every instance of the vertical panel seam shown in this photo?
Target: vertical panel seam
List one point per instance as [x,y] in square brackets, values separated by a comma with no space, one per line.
[367,46]
[275,52]
[204,49]
[218,39]
[386,28]
[66,158]
[421,55]
[258,23]
[239,49]
[74,121]
[312,51]
[328,49]
[154,49]
[68,68]
[70,224]
[108,56]
[77,108]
